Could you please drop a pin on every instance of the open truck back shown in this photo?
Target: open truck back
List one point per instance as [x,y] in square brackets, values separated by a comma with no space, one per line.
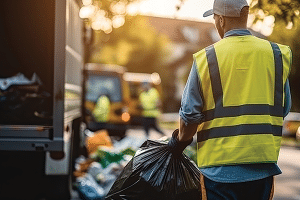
[40,124]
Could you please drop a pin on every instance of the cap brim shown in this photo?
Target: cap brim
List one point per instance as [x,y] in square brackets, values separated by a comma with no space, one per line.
[208,13]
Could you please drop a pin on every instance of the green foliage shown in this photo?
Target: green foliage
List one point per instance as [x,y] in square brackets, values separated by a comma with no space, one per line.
[282,35]
[107,4]
[136,45]
[283,10]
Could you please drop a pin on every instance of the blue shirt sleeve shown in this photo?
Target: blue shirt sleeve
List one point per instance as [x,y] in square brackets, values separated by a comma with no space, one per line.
[287,99]
[191,102]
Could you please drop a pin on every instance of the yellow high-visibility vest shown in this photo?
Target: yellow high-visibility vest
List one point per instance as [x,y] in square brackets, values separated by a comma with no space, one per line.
[149,101]
[101,110]
[242,81]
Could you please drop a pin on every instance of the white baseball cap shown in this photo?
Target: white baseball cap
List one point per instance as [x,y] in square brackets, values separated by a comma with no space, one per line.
[228,8]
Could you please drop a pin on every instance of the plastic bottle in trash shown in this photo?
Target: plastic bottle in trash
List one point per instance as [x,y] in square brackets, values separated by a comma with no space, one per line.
[94,169]
[89,189]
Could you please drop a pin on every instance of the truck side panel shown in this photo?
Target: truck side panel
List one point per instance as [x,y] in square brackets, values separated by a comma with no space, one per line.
[35,37]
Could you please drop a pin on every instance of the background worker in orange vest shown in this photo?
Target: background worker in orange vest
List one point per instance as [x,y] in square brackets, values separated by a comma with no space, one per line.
[235,100]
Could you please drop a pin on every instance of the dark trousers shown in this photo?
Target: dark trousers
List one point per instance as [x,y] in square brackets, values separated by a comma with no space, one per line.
[151,123]
[253,190]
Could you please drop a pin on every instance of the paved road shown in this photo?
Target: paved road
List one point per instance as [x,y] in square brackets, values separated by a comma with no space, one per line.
[287,186]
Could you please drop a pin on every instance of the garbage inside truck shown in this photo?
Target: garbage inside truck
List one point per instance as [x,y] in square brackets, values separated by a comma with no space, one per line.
[24,101]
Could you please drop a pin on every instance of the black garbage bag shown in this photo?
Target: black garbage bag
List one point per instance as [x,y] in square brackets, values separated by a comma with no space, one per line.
[24,101]
[154,173]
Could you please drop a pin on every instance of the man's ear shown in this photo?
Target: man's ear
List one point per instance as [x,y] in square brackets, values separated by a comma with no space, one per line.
[222,21]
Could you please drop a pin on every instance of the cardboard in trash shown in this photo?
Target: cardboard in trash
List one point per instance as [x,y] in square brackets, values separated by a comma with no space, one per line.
[100,138]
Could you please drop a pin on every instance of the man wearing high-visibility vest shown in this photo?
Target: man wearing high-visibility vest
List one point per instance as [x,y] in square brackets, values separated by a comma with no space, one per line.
[150,103]
[101,112]
[235,100]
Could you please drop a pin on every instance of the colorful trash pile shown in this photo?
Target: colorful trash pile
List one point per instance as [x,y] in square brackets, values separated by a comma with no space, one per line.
[107,158]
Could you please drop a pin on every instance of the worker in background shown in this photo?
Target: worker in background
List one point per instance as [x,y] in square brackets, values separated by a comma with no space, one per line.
[151,104]
[235,99]
[101,110]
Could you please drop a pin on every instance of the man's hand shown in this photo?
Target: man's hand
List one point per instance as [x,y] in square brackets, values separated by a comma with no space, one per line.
[176,146]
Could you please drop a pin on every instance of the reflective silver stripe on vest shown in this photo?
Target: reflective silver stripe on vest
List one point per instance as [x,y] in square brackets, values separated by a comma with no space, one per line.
[278,99]
[258,109]
[214,73]
[247,129]
[234,111]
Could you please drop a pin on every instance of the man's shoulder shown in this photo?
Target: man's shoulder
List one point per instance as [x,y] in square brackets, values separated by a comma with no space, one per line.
[284,47]
[200,53]
[203,51]
[281,46]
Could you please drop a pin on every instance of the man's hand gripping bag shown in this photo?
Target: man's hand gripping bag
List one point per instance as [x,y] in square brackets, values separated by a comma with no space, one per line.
[157,173]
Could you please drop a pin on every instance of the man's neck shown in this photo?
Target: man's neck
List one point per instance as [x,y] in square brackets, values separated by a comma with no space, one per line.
[234,28]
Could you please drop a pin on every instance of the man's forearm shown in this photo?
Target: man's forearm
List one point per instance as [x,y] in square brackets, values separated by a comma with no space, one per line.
[186,132]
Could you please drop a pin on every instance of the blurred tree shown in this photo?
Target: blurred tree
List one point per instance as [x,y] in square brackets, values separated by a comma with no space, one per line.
[283,10]
[136,45]
[181,2]
[101,15]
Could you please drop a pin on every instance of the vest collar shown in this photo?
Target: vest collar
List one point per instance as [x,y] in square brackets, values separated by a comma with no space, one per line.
[237,32]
